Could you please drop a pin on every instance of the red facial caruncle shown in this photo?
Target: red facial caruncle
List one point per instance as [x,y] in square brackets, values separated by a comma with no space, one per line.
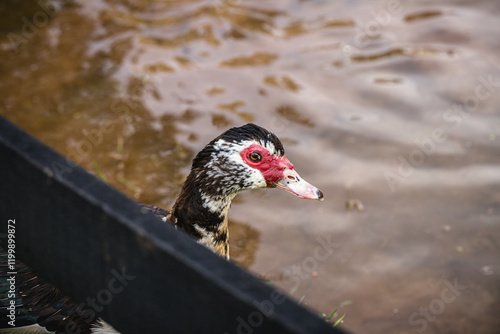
[270,166]
[278,172]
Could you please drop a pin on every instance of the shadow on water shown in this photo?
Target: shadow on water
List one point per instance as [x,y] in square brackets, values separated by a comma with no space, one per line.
[391,108]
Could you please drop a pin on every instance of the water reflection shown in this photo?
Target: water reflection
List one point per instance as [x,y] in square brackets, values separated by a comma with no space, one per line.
[409,52]
[394,107]
[291,114]
[423,15]
[244,242]
[257,59]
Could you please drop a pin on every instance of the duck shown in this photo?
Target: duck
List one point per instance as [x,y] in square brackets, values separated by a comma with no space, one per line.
[241,158]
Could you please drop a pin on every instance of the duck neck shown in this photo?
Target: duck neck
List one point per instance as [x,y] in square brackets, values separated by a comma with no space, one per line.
[203,215]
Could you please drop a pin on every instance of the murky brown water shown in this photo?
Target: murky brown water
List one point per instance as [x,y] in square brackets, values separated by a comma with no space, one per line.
[388,106]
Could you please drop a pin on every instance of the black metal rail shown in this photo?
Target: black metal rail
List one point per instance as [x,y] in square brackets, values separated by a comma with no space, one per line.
[136,272]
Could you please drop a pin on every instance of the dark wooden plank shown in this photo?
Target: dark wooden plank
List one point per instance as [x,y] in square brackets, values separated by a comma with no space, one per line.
[138,273]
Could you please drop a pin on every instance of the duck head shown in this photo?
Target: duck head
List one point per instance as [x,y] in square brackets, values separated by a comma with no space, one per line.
[241,158]
[248,157]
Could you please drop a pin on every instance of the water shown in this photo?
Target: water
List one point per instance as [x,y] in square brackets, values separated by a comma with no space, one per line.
[390,107]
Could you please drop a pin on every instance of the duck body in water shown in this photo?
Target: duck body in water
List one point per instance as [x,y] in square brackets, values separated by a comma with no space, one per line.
[241,158]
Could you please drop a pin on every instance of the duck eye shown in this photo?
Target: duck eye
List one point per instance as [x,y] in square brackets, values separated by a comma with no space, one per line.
[255,156]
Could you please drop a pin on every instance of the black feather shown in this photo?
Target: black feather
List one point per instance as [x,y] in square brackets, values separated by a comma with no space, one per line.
[39,302]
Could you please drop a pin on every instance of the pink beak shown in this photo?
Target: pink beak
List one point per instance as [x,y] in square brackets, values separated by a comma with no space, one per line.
[297,186]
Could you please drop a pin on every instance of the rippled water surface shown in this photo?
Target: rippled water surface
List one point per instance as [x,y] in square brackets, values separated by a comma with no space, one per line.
[390,107]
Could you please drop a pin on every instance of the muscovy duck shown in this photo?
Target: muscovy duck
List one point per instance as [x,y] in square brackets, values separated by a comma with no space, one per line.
[241,158]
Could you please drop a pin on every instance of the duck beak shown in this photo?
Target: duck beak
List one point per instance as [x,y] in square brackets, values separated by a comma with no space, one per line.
[294,184]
